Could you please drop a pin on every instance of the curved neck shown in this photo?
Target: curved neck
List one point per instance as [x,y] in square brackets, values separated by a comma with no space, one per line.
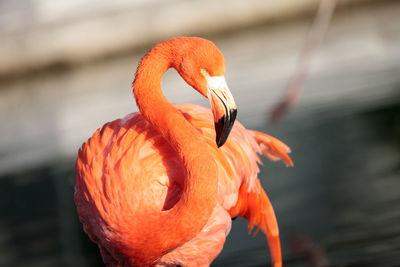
[191,212]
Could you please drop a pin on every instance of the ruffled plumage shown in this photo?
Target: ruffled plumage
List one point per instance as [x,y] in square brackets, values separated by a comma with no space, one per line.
[129,155]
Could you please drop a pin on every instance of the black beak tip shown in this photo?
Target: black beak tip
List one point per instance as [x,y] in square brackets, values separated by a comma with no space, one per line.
[220,143]
[224,126]
[219,129]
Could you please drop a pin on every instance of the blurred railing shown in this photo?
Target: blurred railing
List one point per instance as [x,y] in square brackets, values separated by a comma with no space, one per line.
[45,33]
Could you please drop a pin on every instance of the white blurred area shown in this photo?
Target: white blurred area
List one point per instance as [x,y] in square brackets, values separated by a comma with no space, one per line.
[66,66]
[39,33]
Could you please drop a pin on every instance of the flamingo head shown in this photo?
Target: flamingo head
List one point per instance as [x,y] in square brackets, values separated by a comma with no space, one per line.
[202,66]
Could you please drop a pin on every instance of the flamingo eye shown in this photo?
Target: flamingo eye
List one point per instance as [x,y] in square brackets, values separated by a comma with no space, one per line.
[205,73]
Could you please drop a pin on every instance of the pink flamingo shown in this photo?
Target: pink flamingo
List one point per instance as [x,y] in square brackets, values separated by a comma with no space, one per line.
[160,186]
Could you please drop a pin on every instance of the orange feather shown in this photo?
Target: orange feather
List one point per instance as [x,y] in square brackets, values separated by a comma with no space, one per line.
[153,188]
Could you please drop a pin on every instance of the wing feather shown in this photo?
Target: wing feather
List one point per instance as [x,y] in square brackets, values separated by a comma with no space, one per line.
[130,148]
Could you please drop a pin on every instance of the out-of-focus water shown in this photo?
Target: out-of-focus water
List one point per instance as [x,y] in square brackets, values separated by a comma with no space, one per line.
[343,196]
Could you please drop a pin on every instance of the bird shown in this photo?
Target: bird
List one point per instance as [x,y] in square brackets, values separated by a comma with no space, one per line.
[161,186]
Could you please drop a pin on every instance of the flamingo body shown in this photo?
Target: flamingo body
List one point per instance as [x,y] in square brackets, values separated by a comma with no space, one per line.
[129,173]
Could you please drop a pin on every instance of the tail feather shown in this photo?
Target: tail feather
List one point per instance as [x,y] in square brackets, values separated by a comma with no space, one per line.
[272,148]
[255,206]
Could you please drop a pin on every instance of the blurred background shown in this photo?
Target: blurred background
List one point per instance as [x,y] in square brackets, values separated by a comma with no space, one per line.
[66,68]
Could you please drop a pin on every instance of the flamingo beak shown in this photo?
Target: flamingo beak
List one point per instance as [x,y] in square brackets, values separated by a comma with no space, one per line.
[223,107]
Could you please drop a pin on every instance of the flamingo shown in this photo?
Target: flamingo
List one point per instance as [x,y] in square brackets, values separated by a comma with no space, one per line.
[160,187]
